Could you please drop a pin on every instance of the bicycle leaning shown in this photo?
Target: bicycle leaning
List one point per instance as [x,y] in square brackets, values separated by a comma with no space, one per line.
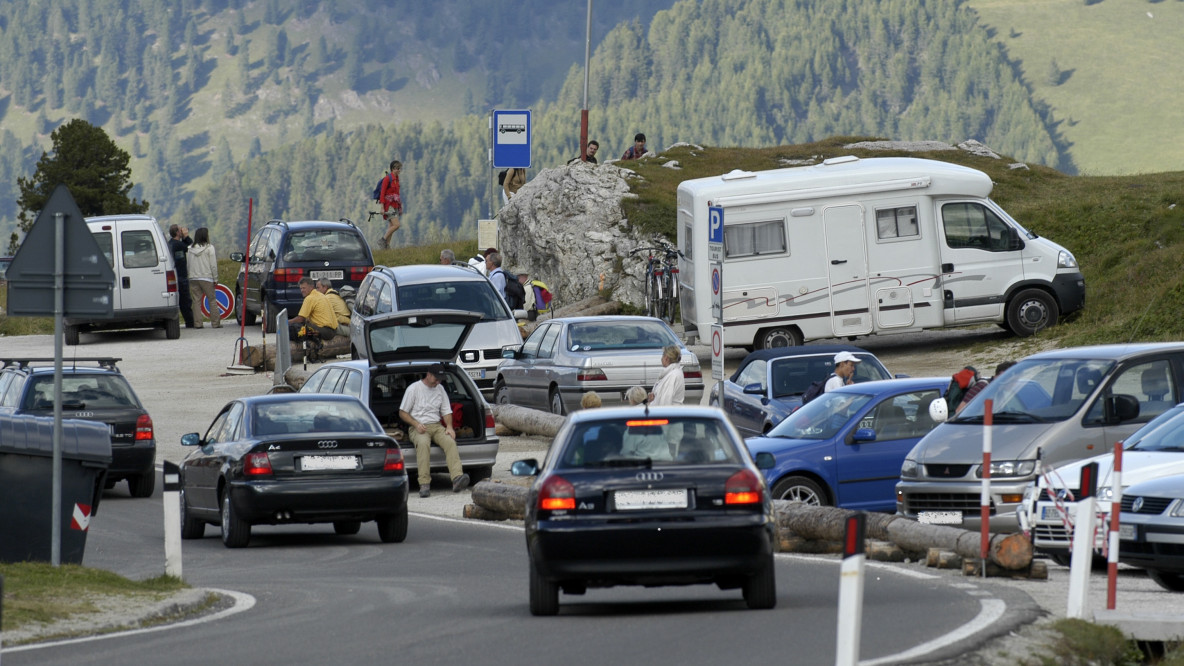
[660,284]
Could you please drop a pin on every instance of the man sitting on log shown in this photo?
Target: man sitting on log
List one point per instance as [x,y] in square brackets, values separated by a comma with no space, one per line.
[316,313]
[340,309]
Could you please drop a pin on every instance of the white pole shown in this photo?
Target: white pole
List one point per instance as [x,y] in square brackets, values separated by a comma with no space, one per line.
[172,520]
[851,594]
[1083,553]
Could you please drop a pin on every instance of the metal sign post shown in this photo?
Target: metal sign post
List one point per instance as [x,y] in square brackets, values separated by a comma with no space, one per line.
[715,254]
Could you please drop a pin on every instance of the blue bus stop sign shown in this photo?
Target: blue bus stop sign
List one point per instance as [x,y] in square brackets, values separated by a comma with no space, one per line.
[511,139]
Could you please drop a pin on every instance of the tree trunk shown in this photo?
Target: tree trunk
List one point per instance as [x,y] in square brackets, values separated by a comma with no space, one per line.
[527,420]
[506,499]
[264,358]
[475,512]
[295,377]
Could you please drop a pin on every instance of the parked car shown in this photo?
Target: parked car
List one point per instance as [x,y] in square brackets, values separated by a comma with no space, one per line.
[567,357]
[769,383]
[145,294]
[1153,451]
[434,287]
[657,496]
[1151,529]
[845,447]
[400,347]
[1066,404]
[283,252]
[292,458]
[92,389]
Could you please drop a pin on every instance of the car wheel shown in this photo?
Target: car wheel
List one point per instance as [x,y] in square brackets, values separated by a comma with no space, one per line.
[236,533]
[480,473]
[347,527]
[544,595]
[501,394]
[800,489]
[1168,581]
[172,328]
[191,528]
[244,312]
[1063,559]
[779,336]
[71,335]
[392,527]
[1030,311]
[142,485]
[557,402]
[270,312]
[760,590]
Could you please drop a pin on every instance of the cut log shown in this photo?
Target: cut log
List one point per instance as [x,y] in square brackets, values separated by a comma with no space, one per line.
[943,559]
[1012,551]
[882,551]
[264,358]
[475,512]
[295,377]
[1036,571]
[795,544]
[504,498]
[527,420]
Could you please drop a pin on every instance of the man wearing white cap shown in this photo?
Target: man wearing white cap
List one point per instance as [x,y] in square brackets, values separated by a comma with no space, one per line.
[844,371]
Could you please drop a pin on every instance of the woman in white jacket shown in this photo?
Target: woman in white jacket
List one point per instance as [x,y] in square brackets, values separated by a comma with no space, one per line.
[203,275]
[671,387]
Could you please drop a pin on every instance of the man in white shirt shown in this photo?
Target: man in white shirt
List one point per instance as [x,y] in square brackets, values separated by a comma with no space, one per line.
[428,414]
[844,371]
[671,386]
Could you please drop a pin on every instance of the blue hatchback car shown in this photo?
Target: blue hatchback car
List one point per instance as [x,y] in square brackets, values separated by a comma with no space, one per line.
[845,447]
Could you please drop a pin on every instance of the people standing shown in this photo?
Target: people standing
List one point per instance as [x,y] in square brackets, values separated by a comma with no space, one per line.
[203,276]
[447,257]
[515,179]
[426,410]
[392,203]
[671,386]
[844,371]
[497,274]
[179,242]
[589,153]
[325,286]
[637,150]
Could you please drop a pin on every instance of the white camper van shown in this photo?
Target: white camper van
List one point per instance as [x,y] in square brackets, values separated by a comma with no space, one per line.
[853,247]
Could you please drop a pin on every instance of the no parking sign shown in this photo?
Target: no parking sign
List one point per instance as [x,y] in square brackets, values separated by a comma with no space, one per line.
[717,351]
[225,300]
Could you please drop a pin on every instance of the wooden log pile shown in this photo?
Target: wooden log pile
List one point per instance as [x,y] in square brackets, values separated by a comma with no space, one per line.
[262,357]
[526,420]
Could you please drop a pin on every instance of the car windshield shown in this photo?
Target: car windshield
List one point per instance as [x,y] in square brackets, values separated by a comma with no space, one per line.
[647,442]
[822,417]
[313,416]
[1164,433]
[83,391]
[1038,391]
[469,295]
[792,375]
[336,245]
[596,336]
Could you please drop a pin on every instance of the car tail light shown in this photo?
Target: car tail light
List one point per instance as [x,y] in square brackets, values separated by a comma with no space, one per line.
[646,422]
[257,464]
[743,487]
[144,428]
[359,272]
[394,460]
[490,425]
[692,374]
[591,375]
[557,494]
[171,279]
[288,274]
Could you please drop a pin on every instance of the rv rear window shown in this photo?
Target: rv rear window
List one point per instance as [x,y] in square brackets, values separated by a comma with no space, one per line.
[897,222]
[746,240]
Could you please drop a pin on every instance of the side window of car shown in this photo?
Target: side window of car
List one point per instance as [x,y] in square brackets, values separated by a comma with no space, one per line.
[547,346]
[973,225]
[214,433]
[1150,382]
[530,348]
[753,373]
[12,395]
[235,429]
[139,249]
[902,416]
[332,379]
[368,296]
[313,385]
[353,384]
[384,299]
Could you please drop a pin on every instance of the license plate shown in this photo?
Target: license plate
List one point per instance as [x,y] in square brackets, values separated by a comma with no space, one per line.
[332,275]
[1126,532]
[940,517]
[1050,513]
[317,463]
[633,500]
[476,374]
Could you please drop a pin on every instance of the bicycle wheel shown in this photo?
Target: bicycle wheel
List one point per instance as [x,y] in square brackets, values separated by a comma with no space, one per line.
[669,301]
[655,296]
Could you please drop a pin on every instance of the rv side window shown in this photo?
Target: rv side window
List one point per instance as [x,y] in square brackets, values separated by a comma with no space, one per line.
[139,250]
[687,242]
[972,225]
[746,240]
[897,222]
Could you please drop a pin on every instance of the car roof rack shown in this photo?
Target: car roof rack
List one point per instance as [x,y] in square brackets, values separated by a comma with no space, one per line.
[348,221]
[105,362]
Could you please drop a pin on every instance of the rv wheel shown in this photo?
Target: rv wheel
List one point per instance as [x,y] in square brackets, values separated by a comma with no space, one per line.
[786,336]
[1030,311]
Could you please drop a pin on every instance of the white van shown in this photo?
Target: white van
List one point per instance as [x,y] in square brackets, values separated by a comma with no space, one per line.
[853,247]
[145,278]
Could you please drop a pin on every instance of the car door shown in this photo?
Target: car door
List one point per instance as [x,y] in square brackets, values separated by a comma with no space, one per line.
[200,468]
[1150,381]
[867,472]
[142,268]
[746,410]
[516,372]
[981,257]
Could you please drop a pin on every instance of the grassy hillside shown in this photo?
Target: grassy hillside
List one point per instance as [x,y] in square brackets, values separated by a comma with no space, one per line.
[1107,70]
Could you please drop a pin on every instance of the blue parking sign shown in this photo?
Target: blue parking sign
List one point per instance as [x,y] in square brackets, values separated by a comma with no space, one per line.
[715,224]
[511,139]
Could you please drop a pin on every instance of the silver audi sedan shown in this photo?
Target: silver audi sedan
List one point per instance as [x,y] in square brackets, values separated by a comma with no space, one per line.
[567,357]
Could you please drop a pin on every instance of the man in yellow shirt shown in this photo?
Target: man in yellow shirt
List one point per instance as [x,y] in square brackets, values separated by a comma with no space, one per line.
[316,313]
[340,309]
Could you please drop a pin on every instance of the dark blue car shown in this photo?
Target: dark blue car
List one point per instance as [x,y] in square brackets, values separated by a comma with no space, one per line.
[769,383]
[845,447]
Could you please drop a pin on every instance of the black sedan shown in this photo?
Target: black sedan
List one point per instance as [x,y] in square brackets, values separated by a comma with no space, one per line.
[1151,531]
[659,496]
[293,458]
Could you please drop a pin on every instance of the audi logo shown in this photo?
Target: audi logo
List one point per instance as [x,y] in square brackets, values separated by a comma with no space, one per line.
[650,476]
[327,444]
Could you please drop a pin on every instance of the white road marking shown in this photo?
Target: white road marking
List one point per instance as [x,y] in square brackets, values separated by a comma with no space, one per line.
[992,610]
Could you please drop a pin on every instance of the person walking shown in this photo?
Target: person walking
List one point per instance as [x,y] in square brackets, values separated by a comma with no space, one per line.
[392,203]
[426,410]
[844,371]
[671,386]
[179,242]
[203,275]
[637,150]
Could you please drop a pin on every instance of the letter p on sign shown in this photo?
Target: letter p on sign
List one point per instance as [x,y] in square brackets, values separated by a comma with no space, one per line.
[715,224]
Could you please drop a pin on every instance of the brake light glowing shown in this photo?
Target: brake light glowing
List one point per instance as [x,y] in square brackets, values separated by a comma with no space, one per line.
[743,487]
[591,375]
[393,461]
[257,464]
[288,274]
[171,279]
[647,422]
[557,494]
[144,428]
[692,374]
[359,272]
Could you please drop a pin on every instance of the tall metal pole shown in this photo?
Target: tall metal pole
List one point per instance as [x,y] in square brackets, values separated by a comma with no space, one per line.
[584,111]
[59,291]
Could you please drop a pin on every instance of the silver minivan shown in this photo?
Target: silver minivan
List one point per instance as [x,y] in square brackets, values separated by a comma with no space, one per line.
[1059,406]
[145,278]
[438,287]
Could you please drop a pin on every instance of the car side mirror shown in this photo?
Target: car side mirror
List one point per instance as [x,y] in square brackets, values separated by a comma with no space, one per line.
[510,352]
[863,435]
[1121,407]
[765,460]
[236,256]
[190,439]
[1014,242]
[525,467]
[754,389]
[520,313]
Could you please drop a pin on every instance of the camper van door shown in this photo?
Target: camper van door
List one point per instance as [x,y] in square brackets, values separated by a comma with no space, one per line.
[980,259]
[846,252]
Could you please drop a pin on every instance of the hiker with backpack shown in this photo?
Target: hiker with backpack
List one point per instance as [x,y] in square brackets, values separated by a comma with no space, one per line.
[844,373]
[387,194]
[980,383]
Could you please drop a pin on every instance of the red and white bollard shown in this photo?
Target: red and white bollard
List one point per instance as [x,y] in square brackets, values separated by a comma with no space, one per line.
[851,593]
[985,496]
[1115,509]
